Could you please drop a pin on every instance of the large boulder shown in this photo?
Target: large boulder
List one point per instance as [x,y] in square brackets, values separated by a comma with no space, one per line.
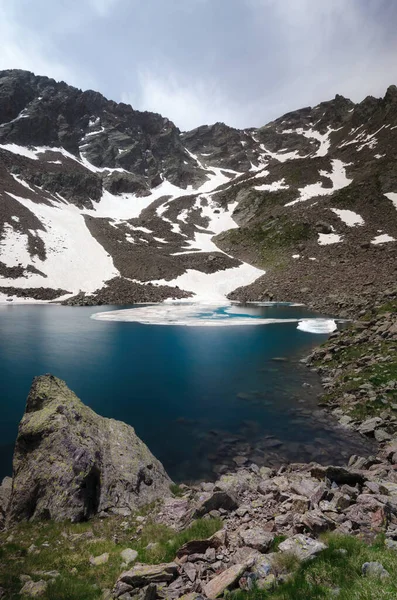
[70,463]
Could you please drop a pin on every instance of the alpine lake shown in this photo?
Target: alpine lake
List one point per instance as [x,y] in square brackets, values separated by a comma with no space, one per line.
[205,397]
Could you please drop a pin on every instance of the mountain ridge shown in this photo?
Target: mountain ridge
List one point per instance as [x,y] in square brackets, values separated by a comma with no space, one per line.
[100,202]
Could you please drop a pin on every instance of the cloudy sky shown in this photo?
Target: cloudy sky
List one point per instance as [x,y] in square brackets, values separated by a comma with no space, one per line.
[243,62]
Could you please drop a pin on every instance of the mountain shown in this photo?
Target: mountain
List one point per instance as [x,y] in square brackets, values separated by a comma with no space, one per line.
[100,203]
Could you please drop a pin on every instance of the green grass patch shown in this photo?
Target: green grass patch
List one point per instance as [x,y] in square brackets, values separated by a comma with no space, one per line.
[67,548]
[176,490]
[334,570]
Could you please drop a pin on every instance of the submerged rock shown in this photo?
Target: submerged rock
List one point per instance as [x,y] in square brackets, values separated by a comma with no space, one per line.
[70,463]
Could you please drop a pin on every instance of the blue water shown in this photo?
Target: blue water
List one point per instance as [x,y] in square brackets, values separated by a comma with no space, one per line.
[198,396]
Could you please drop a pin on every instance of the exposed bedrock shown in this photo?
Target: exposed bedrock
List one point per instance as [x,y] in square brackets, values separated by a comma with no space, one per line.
[70,463]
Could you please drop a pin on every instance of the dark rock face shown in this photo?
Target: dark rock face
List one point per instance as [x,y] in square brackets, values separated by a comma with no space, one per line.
[108,134]
[70,464]
[282,183]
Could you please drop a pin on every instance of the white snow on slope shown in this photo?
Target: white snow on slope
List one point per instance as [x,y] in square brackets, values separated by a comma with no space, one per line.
[338,178]
[280,156]
[272,187]
[324,239]
[323,138]
[349,217]
[383,238]
[393,197]
[13,247]
[75,260]
[214,287]
[218,222]
[21,150]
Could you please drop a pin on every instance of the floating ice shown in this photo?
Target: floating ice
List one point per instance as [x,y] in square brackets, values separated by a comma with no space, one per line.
[317,325]
[200,315]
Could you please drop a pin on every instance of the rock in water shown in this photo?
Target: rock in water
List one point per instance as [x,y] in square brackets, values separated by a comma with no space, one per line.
[70,463]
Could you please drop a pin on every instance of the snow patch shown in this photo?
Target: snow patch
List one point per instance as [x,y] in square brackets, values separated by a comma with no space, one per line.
[338,178]
[75,260]
[272,187]
[382,239]
[393,197]
[324,239]
[214,287]
[14,247]
[349,217]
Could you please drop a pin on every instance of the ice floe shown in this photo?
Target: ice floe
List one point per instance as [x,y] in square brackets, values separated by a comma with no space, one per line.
[323,326]
[206,315]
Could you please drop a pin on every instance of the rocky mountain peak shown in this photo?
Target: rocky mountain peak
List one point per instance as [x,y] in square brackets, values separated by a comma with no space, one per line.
[161,213]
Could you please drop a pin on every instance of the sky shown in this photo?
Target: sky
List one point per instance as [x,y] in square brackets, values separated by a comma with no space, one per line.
[243,62]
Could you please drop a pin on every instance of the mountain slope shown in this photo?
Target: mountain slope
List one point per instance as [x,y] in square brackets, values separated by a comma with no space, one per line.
[107,204]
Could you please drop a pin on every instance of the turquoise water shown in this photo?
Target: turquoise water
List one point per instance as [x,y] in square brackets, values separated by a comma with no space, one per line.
[198,396]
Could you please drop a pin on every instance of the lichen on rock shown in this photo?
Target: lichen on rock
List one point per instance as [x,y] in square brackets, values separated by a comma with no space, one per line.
[70,463]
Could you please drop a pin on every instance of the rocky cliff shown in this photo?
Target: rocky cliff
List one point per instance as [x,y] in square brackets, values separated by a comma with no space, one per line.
[100,202]
[71,464]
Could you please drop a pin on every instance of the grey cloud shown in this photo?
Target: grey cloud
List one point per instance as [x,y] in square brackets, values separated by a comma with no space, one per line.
[244,62]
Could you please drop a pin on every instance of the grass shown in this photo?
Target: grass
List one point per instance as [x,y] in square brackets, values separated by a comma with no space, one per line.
[270,239]
[332,570]
[357,372]
[68,547]
[176,490]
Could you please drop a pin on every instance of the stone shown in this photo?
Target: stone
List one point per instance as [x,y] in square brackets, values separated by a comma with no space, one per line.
[374,569]
[34,589]
[302,546]
[267,583]
[338,475]
[263,566]
[237,482]
[381,435]
[256,538]
[217,586]
[190,571]
[70,463]
[299,504]
[305,487]
[5,495]
[99,560]
[369,425]
[391,544]
[215,501]
[341,501]
[141,575]
[246,556]
[152,546]
[129,555]
[199,546]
